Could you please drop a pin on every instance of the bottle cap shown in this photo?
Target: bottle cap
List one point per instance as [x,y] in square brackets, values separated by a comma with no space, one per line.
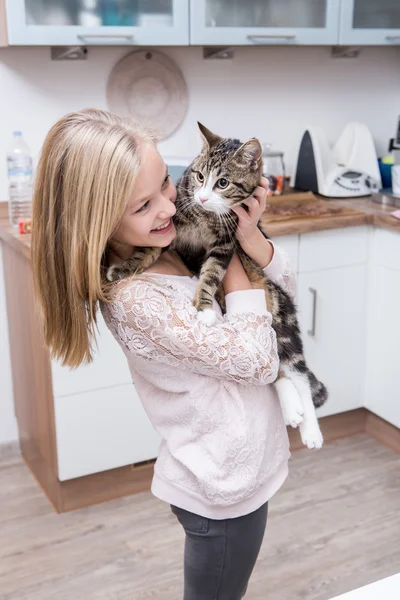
[16,133]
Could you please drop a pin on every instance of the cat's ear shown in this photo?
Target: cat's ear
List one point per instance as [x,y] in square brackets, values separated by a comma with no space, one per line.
[250,151]
[209,138]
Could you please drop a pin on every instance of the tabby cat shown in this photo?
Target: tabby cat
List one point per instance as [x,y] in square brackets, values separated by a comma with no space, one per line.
[225,174]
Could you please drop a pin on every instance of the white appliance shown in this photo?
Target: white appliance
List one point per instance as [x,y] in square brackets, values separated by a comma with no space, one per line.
[349,169]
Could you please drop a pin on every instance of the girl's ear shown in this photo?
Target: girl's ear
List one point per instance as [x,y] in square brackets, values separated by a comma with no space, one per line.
[209,138]
[249,152]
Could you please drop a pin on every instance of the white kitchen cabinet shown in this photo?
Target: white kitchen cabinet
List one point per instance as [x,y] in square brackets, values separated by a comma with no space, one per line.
[370,22]
[101,430]
[109,367]
[334,339]
[333,248]
[110,22]
[100,423]
[382,389]
[290,245]
[264,22]
[332,303]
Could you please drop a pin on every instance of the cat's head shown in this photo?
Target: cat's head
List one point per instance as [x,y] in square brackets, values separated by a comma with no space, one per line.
[226,172]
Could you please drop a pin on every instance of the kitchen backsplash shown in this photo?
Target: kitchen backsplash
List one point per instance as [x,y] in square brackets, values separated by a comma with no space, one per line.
[269,92]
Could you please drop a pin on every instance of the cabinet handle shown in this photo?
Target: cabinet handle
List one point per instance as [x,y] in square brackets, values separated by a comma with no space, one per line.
[390,38]
[265,38]
[314,311]
[100,36]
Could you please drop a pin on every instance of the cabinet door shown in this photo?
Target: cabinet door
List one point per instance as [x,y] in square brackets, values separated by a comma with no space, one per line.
[290,245]
[102,430]
[332,315]
[382,390]
[370,22]
[98,22]
[109,367]
[265,22]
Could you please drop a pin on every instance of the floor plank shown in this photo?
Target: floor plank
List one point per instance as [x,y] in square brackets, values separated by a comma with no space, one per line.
[334,526]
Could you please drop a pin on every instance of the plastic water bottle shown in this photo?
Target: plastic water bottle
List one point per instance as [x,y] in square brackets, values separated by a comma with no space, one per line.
[19,166]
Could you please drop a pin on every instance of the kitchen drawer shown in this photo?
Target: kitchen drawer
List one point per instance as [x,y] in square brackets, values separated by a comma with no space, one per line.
[290,245]
[386,249]
[108,368]
[102,430]
[333,248]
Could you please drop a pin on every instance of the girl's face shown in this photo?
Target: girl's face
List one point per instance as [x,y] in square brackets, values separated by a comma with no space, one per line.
[147,220]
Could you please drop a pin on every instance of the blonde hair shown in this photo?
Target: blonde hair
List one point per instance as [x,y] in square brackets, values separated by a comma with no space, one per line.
[86,172]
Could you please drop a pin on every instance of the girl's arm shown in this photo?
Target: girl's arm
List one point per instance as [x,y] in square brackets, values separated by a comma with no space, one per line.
[280,271]
[272,260]
[157,321]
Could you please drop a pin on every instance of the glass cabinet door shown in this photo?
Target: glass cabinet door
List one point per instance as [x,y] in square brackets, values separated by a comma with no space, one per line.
[239,22]
[370,22]
[98,22]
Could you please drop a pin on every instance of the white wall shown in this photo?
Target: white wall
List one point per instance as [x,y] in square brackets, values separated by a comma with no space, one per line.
[271,93]
[8,423]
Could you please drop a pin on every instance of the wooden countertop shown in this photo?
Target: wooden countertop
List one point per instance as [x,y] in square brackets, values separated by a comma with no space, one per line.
[356,211]
[362,211]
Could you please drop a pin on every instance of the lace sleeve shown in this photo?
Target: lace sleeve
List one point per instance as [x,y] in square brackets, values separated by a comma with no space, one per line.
[159,323]
[280,271]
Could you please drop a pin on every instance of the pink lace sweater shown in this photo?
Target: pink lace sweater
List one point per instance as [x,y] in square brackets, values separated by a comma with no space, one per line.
[206,390]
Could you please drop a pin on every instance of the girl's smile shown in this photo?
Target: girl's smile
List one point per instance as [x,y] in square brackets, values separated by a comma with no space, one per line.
[147,219]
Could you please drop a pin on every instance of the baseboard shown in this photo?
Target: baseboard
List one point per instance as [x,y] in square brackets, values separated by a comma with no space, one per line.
[108,485]
[334,427]
[88,490]
[10,450]
[382,431]
[124,481]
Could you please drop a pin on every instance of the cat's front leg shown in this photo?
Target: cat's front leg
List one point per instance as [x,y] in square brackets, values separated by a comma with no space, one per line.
[211,275]
[310,431]
[141,260]
[290,401]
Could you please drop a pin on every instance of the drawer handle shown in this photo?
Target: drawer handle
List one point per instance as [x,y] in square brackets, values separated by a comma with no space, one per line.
[260,39]
[100,36]
[314,312]
[390,38]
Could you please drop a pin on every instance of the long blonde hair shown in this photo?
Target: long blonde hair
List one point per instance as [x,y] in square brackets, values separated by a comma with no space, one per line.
[84,179]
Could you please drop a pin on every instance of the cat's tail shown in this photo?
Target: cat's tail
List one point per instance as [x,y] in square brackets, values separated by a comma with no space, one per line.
[319,392]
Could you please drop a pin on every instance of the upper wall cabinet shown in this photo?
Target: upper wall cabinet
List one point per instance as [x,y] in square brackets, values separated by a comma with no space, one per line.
[370,22]
[264,22]
[98,22]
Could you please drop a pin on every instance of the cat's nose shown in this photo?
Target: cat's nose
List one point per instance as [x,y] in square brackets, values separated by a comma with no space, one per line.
[203,199]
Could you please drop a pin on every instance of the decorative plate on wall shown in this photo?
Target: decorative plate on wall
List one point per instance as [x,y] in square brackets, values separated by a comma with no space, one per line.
[148,86]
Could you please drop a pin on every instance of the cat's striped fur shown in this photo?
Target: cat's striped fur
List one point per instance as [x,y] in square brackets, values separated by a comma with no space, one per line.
[224,174]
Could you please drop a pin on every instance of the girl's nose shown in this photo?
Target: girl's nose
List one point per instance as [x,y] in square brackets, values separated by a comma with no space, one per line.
[168,209]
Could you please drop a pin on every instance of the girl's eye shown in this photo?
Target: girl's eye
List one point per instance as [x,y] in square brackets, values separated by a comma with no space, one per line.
[143,207]
[200,176]
[166,180]
[222,183]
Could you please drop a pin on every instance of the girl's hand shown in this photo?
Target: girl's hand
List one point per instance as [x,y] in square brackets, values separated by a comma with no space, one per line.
[248,234]
[247,226]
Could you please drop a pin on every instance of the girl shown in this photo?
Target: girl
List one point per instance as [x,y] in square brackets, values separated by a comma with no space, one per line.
[102,188]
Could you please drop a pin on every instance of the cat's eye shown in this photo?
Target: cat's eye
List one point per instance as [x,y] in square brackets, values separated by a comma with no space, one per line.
[222,183]
[200,177]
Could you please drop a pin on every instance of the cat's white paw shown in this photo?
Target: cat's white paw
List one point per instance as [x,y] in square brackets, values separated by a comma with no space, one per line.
[292,407]
[311,435]
[293,415]
[111,273]
[207,316]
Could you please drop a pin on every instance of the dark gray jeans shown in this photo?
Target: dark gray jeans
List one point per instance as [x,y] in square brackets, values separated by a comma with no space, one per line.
[220,555]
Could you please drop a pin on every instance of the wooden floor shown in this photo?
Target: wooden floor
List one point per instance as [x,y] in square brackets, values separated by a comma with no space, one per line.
[333,527]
